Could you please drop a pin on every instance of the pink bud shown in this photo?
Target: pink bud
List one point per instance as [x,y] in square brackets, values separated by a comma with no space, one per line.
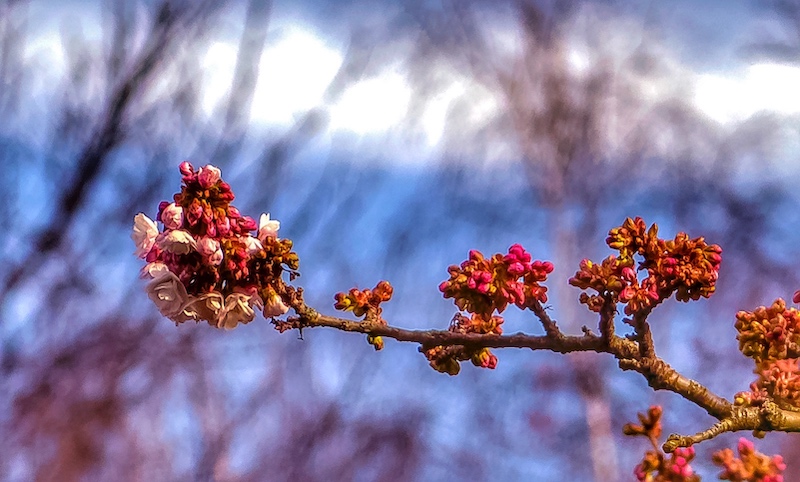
[628,273]
[247,223]
[443,286]
[223,226]
[186,168]
[796,297]
[627,294]
[194,213]
[208,176]
[745,446]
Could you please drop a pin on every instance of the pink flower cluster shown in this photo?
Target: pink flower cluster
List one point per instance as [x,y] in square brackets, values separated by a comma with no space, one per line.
[367,303]
[686,267]
[771,337]
[483,285]
[750,466]
[655,465]
[206,264]
[769,332]
[446,359]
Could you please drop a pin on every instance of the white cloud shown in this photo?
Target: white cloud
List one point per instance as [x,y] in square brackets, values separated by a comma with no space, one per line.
[762,87]
[292,78]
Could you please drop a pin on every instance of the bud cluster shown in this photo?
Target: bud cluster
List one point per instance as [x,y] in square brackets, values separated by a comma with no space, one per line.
[769,333]
[649,424]
[655,465]
[482,286]
[204,264]
[771,337]
[750,466]
[366,302]
[689,268]
[446,359]
[658,467]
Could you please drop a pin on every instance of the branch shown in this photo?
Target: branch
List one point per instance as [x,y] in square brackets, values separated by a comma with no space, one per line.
[431,338]
[659,374]
[765,418]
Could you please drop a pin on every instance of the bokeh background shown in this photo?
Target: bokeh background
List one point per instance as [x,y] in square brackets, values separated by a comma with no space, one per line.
[389,138]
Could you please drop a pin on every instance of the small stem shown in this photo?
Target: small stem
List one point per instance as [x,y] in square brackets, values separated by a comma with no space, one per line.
[550,326]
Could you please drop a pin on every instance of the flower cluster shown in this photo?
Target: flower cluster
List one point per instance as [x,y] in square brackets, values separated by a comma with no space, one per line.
[750,466]
[771,337]
[778,381]
[655,465]
[771,333]
[446,359]
[205,264]
[366,302]
[482,286]
[686,267]
[649,424]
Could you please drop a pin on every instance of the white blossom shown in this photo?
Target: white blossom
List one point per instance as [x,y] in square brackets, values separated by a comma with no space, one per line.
[144,234]
[177,241]
[267,227]
[152,270]
[210,249]
[204,307]
[253,245]
[237,309]
[172,216]
[168,294]
[274,306]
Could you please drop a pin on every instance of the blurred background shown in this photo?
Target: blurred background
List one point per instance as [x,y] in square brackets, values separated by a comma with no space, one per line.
[389,138]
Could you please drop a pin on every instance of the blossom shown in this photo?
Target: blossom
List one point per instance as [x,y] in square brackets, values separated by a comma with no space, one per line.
[267,227]
[177,241]
[168,294]
[144,234]
[210,249]
[205,260]
[274,306]
[482,285]
[208,176]
[152,270]
[203,307]
[172,216]
[237,309]
[186,169]
[253,245]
